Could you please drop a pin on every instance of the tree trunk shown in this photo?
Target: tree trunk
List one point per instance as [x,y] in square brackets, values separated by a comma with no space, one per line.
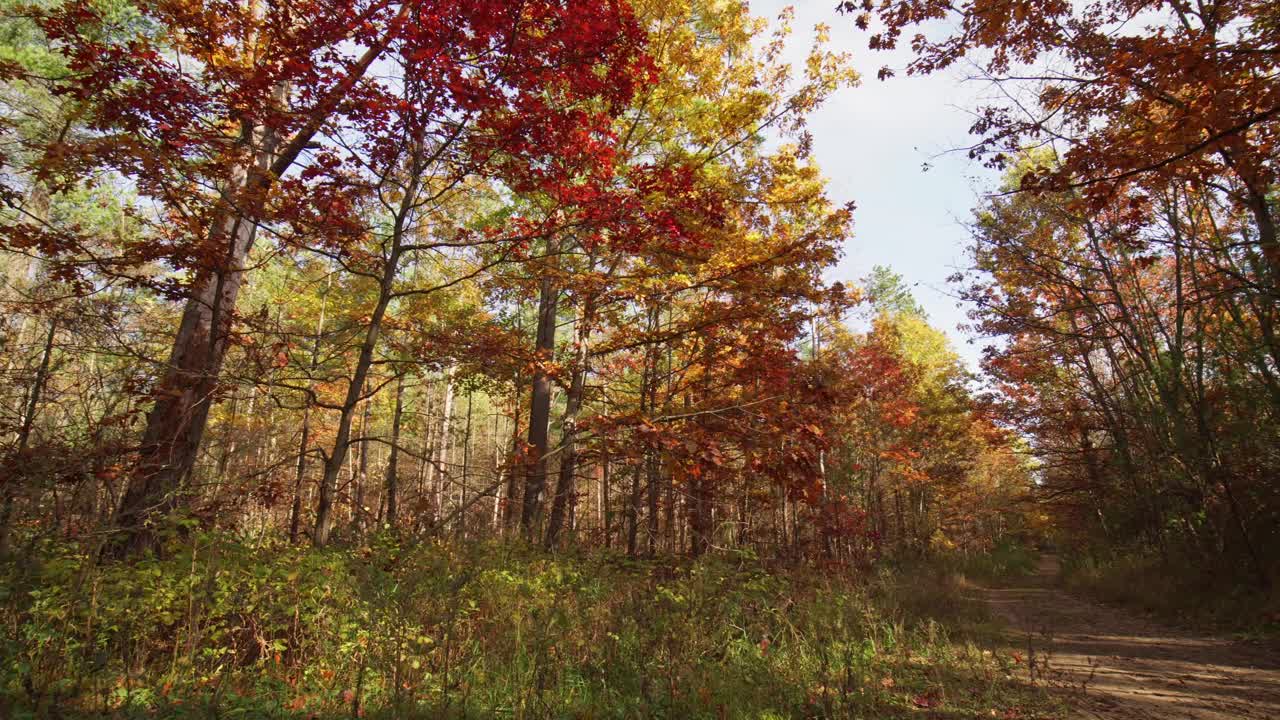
[466,472]
[439,469]
[424,461]
[24,432]
[603,499]
[342,440]
[652,469]
[355,390]
[568,443]
[362,470]
[500,494]
[338,456]
[359,379]
[295,514]
[509,514]
[700,517]
[633,512]
[540,398]
[391,488]
[184,396]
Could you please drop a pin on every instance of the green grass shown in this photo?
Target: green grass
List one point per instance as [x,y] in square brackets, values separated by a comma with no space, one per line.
[223,628]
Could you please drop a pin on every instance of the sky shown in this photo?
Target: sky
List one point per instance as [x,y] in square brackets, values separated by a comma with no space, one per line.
[872,142]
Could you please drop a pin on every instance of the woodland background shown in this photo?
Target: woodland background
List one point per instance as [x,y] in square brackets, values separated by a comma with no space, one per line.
[389,356]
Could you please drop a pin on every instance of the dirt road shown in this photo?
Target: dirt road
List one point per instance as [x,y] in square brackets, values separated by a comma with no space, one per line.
[1115,665]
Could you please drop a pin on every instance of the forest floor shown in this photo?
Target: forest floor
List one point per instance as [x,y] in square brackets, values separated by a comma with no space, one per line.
[1114,665]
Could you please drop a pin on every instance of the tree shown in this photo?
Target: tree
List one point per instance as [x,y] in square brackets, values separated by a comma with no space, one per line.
[228,102]
[1163,92]
[888,292]
[1125,351]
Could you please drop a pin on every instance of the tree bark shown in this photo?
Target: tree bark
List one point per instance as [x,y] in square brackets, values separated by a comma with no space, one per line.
[440,461]
[540,397]
[509,513]
[568,442]
[391,488]
[633,512]
[466,471]
[652,469]
[500,495]
[362,469]
[606,527]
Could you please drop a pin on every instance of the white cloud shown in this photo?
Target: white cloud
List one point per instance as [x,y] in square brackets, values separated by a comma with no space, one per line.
[872,142]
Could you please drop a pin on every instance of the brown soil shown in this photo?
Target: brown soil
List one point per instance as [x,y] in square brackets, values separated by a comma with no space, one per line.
[1111,664]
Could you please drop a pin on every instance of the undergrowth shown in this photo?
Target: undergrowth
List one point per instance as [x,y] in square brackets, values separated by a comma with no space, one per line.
[1182,592]
[1008,559]
[225,628]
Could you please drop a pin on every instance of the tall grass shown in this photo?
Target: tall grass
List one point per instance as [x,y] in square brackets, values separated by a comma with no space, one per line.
[1176,590]
[224,628]
[1007,560]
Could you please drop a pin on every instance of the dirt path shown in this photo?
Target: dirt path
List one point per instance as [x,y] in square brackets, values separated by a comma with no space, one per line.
[1117,666]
